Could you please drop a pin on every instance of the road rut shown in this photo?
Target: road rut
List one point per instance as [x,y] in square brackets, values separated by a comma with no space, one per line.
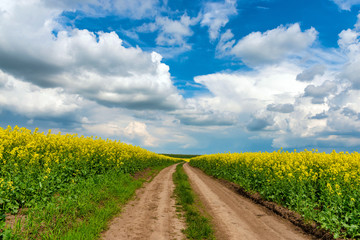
[236,217]
[152,215]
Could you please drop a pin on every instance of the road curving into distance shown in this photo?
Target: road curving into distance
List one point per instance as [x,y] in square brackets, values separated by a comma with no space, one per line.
[152,215]
[237,218]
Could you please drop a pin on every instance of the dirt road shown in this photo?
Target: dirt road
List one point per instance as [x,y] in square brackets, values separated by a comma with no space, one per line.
[152,215]
[236,217]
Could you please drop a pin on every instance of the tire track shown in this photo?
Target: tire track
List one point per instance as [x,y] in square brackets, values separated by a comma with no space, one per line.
[236,217]
[152,215]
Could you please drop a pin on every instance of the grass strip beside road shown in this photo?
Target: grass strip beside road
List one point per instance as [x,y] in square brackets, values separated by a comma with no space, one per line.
[82,211]
[198,226]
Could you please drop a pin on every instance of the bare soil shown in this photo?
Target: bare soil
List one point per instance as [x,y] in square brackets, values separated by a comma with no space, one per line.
[151,215]
[235,214]
[295,218]
[19,218]
[237,217]
[145,174]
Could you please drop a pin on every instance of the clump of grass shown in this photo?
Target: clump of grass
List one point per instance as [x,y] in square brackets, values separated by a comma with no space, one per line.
[198,226]
[82,211]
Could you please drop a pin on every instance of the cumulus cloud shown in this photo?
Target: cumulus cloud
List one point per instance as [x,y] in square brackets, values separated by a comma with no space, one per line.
[273,45]
[134,9]
[344,120]
[260,100]
[134,132]
[322,115]
[94,65]
[234,98]
[172,34]
[225,43]
[347,99]
[318,93]
[350,44]
[32,101]
[352,73]
[257,124]
[281,108]
[333,123]
[201,112]
[139,130]
[357,25]
[348,112]
[250,91]
[309,74]
[216,15]
[348,40]
[346,4]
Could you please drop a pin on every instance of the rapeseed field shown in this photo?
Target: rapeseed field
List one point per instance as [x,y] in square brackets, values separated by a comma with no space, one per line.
[34,166]
[322,187]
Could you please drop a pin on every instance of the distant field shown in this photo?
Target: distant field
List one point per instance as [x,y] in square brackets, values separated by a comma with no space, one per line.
[185,156]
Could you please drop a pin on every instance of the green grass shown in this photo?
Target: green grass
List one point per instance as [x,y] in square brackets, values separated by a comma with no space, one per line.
[198,226]
[82,211]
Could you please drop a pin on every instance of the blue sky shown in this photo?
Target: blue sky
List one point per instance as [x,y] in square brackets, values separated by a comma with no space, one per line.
[185,76]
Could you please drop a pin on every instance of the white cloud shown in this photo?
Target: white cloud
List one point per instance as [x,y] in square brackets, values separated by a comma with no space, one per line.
[134,9]
[241,99]
[203,112]
[95,66]
[128,130]
[274,100]
[160,134]
[309,74]
[348,99]
[346,4]
[138,130]
[357,25]
[247,92]
[349,42]
[216,15]
[257,124]
[225,43]
[282,108]
[273,45]
[270,103]
[32,101]
[318,93]
[352,72]
[172,34]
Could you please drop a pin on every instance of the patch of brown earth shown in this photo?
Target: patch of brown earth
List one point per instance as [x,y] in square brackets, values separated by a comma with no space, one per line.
[237,217]
[152,215]
[18,218]
[143,174]
[294,217]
